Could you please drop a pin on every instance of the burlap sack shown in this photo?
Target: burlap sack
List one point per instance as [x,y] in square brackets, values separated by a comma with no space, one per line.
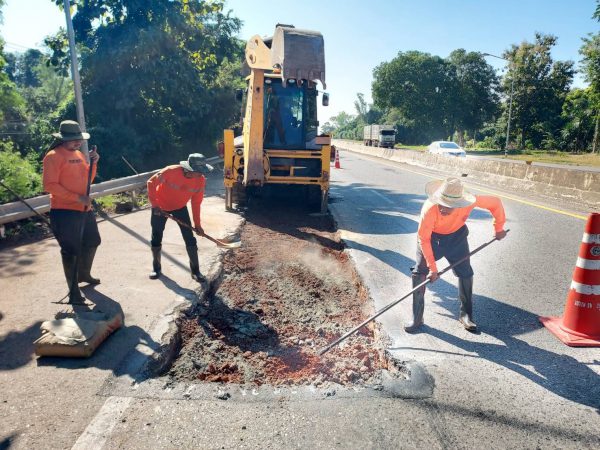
[75,337]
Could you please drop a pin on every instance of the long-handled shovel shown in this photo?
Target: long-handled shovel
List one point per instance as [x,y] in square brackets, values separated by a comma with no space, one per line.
[236,244]
[394,303]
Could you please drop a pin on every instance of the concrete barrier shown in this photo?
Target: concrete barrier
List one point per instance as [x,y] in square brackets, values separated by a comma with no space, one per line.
[573,185]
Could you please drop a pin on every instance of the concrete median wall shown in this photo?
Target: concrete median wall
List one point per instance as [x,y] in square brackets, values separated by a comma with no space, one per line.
[572,185]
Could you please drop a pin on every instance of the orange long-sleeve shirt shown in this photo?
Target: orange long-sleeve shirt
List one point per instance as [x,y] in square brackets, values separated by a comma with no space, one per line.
[432,221]
[65,177]
[169,189]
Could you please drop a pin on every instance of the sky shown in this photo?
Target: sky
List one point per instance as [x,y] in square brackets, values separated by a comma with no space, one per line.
[359,35]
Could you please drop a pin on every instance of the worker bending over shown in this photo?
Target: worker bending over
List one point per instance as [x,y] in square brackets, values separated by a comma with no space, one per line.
[443,234]
[170,190]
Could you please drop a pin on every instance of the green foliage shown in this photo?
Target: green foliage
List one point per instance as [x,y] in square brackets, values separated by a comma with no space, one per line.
[474,99]
[11,103]
[540,88]
[20,174]
[418,86]
[578,115]
[22,68]
[159,78]
[430,98]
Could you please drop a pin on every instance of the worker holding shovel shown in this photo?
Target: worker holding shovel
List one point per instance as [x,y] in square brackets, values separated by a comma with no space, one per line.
[66,177]
[169,190]
[443,233]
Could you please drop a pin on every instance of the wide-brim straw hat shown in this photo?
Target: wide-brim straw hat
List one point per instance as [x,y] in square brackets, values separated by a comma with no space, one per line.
[196,163]
[69,130]
[449,192]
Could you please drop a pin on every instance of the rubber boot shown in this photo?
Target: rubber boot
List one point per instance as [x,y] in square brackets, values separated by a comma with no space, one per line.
[69,263]
[465,294]
[155,263]
[194,264]
[418,305]
[84,266]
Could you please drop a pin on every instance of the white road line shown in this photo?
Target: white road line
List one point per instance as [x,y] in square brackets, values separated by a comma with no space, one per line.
[101,426]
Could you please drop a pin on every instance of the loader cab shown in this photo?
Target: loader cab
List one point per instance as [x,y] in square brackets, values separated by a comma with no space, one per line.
[290,114]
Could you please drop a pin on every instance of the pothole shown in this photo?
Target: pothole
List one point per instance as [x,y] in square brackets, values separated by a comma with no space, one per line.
[287,293]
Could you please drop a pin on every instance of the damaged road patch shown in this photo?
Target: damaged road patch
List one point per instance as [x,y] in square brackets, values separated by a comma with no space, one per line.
[290,290]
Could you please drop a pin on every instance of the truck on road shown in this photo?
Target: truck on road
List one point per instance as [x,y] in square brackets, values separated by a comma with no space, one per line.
[379,136]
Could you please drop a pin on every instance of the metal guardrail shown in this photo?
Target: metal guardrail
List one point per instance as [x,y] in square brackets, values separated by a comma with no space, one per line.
[9,212]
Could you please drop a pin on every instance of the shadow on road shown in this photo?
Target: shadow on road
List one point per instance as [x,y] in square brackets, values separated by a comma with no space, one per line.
[16,347]
[112,349]
[558,373]
[393,213]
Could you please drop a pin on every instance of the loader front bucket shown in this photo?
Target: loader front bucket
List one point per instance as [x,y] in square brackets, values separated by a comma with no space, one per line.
[299,53]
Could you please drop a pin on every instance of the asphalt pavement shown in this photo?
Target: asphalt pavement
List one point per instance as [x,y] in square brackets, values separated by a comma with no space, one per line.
[499,389]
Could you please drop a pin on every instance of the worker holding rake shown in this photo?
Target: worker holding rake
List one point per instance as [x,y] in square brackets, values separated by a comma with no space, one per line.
[67,177]
[443,233]
[169,190]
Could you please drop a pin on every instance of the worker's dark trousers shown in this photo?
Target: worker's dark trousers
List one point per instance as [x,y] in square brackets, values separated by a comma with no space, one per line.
[453,247]
[157,222]
[66,225]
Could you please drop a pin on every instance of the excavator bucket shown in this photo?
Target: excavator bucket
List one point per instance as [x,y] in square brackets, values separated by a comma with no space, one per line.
[299,53]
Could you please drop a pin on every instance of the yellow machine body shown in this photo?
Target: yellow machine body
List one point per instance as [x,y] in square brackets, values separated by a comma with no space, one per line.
[280,143]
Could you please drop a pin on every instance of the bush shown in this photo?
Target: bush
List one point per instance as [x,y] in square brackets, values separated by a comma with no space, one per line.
[18,173]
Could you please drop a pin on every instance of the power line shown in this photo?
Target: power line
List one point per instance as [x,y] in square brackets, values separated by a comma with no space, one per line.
[20,46]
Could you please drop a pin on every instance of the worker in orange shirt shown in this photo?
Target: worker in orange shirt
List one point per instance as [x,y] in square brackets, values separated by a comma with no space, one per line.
[170,190]
[65,178]
[443,233]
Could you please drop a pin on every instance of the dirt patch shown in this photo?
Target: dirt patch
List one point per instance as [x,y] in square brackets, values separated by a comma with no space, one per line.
[288,292]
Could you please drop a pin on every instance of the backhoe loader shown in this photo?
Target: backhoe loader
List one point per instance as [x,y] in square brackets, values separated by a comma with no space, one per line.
[280,143]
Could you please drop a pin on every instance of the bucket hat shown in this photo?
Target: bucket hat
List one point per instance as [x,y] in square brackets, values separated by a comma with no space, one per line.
[69,130]
[449,192]
[196,162]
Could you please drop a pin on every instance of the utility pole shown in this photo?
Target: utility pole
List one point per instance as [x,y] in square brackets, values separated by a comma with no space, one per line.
[75,77]
[512,90]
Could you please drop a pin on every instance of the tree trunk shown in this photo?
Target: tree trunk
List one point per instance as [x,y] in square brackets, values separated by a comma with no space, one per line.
[461,137]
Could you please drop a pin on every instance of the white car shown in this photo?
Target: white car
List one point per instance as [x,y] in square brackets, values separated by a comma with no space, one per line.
[446,148]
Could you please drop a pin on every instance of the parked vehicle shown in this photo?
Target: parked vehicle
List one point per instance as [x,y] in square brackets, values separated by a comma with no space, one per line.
[446,148]
[379,136]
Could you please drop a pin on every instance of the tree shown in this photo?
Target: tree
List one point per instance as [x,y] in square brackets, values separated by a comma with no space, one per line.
[417,85]
[590,66]
[579,116]
[156,77]
[20,174]
[474,98]
[540,88]
[22,68]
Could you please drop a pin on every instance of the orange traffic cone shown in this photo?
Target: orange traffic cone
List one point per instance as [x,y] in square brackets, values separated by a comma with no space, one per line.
[580,324]
[337,159]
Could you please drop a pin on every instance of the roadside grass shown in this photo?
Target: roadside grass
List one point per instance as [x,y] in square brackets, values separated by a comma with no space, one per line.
[556,157]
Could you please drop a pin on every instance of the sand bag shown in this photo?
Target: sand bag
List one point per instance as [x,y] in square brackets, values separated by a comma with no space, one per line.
[77,336]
